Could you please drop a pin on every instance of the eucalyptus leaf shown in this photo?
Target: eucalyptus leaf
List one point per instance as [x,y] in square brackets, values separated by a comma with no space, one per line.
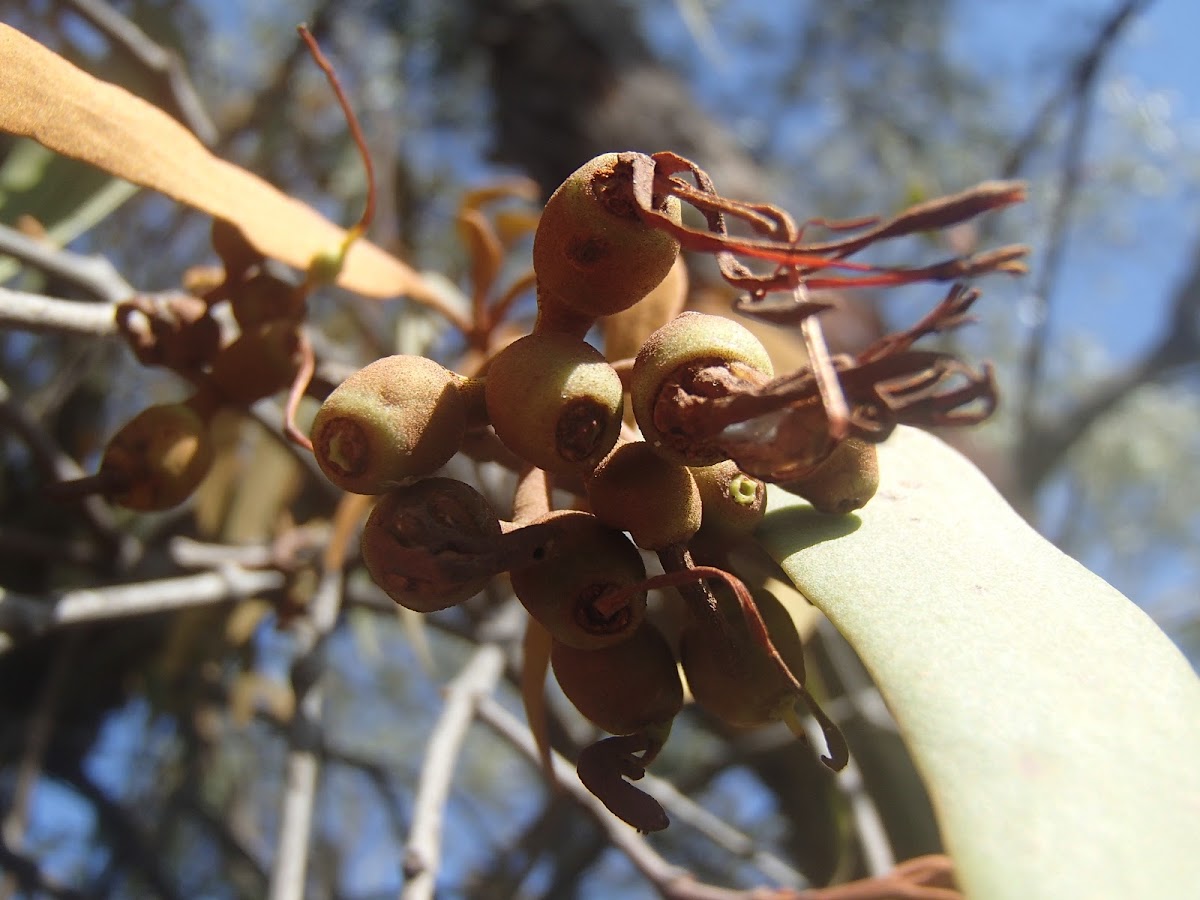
[1057,728]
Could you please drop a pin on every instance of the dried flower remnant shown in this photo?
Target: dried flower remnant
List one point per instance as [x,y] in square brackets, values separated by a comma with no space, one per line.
[780,429]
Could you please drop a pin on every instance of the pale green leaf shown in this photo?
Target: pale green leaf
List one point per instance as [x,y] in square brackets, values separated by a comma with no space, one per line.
[1056,727]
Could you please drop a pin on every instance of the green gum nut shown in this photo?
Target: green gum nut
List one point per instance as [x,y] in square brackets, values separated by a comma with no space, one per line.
[398,418]
[554,401]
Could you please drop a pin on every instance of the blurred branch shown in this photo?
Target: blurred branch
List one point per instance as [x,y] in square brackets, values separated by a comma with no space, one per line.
[1047,442]
[58,466]
[304,737]
[686,811]
[662,874]
[31,879]
[270,415]
[118,828]
[93,274]
[183,101]
[423,851]
[872,836]
[24,616]
[1079,93]
[36,312]
[270,99]
[1074,83]
[30,767]
[192,802]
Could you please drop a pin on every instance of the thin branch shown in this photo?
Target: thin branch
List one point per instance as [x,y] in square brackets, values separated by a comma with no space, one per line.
[872,836]
[270,414]
[657,870]
[30,877]
[1080,71]
[1083,84]
[39,313]
[303,765]
[27,616]
[1047,442]
[686,811]
[184,101]
[119,829]
[93,274]
[32,757]
[422,853]
[58,466]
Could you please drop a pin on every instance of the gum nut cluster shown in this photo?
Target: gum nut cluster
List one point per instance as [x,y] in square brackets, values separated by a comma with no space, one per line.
[558,404]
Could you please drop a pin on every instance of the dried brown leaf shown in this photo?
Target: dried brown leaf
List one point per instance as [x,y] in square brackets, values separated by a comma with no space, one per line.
[46,98]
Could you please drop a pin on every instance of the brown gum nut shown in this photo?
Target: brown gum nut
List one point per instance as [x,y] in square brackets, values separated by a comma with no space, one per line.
[159,457]
[420,521]
[741,684]
[591,251]
[624,688]
[398,418]
[690,339]
[261,362]
[733,502]
[264,298]
[843,482]
[655,500]
[584,562]
[555,402]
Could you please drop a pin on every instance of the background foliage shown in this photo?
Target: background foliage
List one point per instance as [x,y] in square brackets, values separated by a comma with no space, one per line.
[147,755]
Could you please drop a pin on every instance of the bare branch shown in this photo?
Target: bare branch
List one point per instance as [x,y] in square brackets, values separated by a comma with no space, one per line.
[1083,79]
[184,102]
[1047,442]
[58,466]
[30,878]
[422,853]
[26,616]
[291,859]
[660,872]
[93,274]
[36,312]
[36,741]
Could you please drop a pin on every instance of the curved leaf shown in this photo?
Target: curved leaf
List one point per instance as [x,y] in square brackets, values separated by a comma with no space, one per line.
[1056,727]
[44,97]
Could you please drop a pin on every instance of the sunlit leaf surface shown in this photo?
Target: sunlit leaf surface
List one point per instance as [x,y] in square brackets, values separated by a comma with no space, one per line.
[1056,727]
[44,97]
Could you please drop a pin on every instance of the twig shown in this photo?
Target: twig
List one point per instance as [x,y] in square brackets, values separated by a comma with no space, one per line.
[36,741]
[422,853]
[58,466]
[624,838]
[1177,347]
[27,616]
[36,312]
[185,103]
[30,878]
[118,828]
[270,414]
[872,836]
[93,274]
[1082,87]
[291,859]
[291,546]
[686,811]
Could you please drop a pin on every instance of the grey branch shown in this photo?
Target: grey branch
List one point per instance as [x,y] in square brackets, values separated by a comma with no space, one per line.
[667,878]
[470,687]
[22,615]
[303,763]
[36,312]
[184,101]
[93,274]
